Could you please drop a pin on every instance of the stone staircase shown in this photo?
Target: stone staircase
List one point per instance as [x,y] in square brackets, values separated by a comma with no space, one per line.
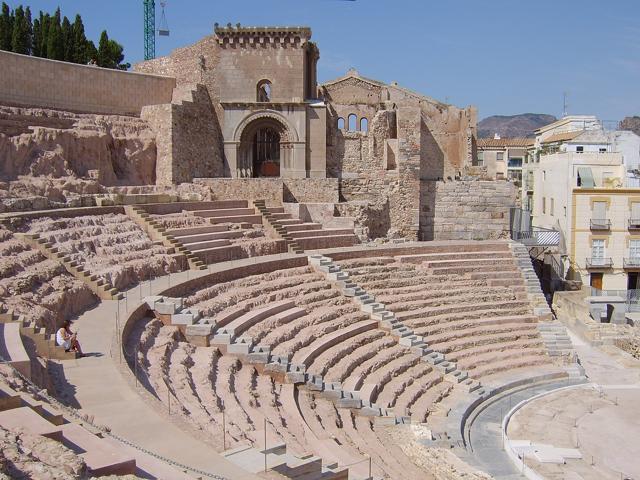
[43,342]
[555,338]
[273,222]
[301,236]
[531,280]
[202,331]
[159,234]
[284,463]
[388,322]
[103,289]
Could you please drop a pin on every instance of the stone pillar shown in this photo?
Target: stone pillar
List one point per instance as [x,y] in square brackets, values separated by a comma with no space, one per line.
[405,201]
[317,140]
[293,160]
[231,156]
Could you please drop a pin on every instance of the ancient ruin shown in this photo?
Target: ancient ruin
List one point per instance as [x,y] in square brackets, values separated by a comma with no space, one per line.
[272,278]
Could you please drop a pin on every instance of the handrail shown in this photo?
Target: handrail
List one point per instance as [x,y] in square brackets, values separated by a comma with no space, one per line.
[598,262]
[600,224]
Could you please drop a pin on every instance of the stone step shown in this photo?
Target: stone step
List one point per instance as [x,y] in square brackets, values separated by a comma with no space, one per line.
[297,227]
[320,232]
[250,219]
[203,237]
[194,247]
[224,212]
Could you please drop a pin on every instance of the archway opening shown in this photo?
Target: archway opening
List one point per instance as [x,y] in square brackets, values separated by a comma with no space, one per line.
[266,152]
[264,147]
[264,91]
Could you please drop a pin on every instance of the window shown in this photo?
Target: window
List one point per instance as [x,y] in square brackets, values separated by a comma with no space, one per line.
[515,162]
[544,205]
[565,211]
[551,206]
[597,252]
[635,213]
[500,156]
[599,210]
[579,149]
[340,123]
[264,91]
[602,150]
[364,125]
[480,159]
[352,122]
[634,250]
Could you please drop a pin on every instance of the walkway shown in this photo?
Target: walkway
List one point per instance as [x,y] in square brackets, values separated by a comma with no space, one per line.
[97,388]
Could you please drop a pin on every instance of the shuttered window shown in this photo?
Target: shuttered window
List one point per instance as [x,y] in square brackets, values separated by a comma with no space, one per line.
[599,210]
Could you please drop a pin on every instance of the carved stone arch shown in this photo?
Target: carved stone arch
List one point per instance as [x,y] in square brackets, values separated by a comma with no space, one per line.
[265,142]
[289,134]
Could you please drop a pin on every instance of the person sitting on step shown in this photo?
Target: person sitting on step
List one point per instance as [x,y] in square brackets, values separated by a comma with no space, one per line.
[67,339]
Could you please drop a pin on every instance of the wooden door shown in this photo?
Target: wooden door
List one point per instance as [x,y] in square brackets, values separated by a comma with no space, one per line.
[596,280]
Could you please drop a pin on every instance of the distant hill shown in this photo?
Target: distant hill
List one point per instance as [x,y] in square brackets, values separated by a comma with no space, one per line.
[510,126]
[631,123]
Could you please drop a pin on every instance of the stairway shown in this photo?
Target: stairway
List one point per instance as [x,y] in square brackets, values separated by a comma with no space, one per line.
[387,321]
[555,338]
[103,289]
[274,222]
[157,233]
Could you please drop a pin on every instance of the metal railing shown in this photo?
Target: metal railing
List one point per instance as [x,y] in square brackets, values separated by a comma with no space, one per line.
[631,262]
[632,297]
[537,237]
[600,224]
[598,263]
[634,224]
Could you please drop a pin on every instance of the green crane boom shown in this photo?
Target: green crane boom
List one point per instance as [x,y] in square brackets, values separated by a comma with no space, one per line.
[149,29]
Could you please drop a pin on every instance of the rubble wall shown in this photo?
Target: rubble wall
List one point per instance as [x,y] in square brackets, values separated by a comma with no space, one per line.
[465,210]
[28,81]
[109,149]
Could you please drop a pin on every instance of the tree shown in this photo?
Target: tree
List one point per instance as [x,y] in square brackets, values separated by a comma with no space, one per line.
[80,48]
[55,37]
[110,53]
[55,45]
[20,36]
[29,30]
[67,40]
[6,27]
[37,38]
[45,21]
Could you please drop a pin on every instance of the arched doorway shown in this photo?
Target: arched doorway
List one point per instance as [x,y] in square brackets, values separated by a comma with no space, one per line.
[266,153]
[265,147]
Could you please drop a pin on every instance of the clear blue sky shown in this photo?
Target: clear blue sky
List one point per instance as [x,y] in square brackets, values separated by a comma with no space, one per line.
[503,56]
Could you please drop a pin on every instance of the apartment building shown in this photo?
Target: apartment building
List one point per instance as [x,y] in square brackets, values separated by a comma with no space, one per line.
[578,182]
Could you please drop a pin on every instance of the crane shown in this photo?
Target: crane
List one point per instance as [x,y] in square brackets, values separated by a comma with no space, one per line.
[150,27]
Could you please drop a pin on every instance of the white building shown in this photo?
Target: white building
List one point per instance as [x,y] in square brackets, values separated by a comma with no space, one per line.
[577,181]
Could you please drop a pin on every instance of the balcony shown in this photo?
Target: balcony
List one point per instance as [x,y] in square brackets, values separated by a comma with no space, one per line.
[631,263]
[634,224]
[538,237]
[597,263]
[600,224]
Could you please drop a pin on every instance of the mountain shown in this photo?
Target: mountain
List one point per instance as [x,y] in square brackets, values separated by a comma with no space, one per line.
[631,123]
[510,126]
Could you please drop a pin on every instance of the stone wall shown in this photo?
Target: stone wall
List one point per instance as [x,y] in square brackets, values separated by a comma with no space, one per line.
[189,138]
[311,190]
[268,189]
[465,210]
[404,201]
[41,144]
[30,82]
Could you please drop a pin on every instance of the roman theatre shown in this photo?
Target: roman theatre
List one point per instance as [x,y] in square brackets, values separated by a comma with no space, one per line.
[274,278]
